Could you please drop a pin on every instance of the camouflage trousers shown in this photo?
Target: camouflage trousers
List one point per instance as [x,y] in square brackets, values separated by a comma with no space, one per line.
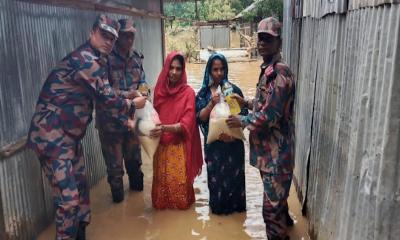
[119,148]
[70,191]
[275,206]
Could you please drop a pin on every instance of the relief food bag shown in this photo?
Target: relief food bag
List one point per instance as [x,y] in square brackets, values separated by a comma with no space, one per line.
[146,120]
[217,123]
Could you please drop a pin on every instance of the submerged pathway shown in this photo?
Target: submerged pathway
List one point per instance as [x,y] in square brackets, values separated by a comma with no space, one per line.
[135,218]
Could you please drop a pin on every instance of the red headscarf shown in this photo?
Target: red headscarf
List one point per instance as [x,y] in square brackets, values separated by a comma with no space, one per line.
[177,105]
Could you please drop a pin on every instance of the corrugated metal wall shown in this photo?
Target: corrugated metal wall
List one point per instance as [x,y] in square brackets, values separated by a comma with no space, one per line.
[355,4]
[33,39]
[348,119]
[318,8]
[214,36]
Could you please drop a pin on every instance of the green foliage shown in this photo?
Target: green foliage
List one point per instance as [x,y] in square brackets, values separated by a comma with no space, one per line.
[222,10]
[182,39]
[265,8]
[216,10]
[240,5]
[185,10]
[208,10]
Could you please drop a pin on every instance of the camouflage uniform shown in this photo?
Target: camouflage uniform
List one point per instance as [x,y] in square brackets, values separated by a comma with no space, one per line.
[63,111]
[271,126]
[118,144]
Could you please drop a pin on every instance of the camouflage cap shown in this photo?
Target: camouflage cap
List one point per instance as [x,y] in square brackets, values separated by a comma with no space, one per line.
[271,26]
[107,24]
[127,25]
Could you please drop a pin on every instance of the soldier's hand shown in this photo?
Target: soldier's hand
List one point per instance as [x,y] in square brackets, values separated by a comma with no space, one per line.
[132,94]
[139,102]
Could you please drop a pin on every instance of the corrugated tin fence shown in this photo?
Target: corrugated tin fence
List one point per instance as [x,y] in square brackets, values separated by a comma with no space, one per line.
[214,36]
[346,55]
[33,38]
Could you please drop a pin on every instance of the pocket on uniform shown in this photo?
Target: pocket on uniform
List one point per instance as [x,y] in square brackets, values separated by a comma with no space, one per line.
[75,126]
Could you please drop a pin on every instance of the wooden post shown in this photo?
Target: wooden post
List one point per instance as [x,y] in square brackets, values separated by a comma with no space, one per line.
[162,32]
[197,10]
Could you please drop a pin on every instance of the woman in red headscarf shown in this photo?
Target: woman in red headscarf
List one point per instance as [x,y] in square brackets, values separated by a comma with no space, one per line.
[178,159]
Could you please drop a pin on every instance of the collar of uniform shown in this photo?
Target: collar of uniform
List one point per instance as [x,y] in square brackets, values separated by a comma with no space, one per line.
[92,49]
[118,53]
[276,58]
[101,58]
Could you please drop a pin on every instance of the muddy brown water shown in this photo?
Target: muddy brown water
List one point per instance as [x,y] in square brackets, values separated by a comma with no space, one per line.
[135,218]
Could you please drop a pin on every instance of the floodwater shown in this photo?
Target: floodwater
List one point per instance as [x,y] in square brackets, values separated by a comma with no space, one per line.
[135,218]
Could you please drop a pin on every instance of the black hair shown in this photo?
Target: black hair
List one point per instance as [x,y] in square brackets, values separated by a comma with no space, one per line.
[224,64]
[180,59]
[95,26]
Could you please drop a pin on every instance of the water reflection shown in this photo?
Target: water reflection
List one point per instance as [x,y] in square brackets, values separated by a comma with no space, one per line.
[243,74]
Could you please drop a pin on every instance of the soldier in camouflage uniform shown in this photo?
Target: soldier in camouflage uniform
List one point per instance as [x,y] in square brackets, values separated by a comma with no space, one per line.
[63,111]
[119,145]
[271,126]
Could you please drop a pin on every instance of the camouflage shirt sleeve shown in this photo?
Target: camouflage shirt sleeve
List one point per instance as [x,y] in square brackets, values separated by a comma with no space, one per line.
[143,74]
[124,93]
[270,113]
[91,77]
[142,78]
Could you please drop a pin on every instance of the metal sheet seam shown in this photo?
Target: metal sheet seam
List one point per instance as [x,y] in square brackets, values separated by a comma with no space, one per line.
[356,56]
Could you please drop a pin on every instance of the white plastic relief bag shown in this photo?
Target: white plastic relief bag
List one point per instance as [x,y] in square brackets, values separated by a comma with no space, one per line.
[217,123]
[147,119]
